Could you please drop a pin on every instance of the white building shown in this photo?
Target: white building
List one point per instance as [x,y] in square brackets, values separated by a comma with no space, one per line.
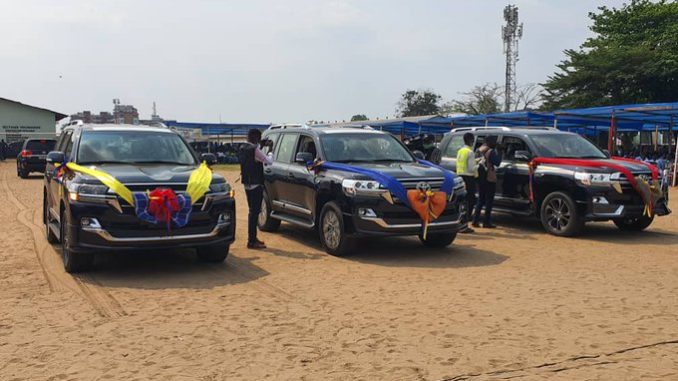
[19,121]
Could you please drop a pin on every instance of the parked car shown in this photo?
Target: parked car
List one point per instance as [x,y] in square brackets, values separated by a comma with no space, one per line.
[86,216]
[344,206]
[32,156]
[565,196]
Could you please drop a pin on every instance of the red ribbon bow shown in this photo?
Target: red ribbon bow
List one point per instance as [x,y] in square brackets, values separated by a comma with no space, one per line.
[163,204]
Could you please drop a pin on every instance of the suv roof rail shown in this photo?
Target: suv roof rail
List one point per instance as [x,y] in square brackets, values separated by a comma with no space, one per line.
[502,128]
[362,126]
[286,126]
[490,128]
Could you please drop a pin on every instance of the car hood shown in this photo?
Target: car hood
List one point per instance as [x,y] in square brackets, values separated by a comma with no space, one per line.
[146,173]
[398,170]
[632,166]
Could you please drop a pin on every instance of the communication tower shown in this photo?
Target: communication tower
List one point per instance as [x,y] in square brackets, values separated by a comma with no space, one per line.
[511,33]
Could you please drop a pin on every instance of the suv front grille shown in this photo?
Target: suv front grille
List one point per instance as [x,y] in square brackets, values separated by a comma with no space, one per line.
[411,183]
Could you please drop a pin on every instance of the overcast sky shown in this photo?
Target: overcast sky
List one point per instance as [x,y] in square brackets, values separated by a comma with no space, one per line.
[269,61]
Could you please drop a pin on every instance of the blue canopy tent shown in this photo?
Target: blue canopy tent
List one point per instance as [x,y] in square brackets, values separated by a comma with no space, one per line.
[217,129]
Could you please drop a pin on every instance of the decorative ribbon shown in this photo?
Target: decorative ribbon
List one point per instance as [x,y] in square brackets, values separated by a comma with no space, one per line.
[427,204]
[645,190]
[159,205]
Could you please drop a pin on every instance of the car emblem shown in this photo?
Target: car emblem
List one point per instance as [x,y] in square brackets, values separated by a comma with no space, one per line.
[645,178]
[423,186]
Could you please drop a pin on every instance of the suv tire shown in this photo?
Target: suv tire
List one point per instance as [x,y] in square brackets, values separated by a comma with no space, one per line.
[332,232]
[51,238]
[23,174]
[438,240]
[559,215]
[213,253]
[73,262]
[633,224]
[264,221]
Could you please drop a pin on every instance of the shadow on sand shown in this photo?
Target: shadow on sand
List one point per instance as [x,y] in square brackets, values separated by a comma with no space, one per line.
[171,269]
[399,251]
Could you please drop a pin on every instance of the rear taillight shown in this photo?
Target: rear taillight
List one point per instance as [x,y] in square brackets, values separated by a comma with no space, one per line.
[26,153]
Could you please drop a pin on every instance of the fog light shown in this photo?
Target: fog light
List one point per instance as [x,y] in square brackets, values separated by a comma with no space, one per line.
[224,218]
[366,212]
[600,200]
[91,223]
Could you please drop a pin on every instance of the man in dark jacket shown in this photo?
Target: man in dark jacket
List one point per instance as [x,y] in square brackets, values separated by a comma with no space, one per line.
[490,159]
[252,162]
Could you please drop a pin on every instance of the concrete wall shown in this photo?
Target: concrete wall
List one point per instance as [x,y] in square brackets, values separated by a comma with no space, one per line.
[19,122]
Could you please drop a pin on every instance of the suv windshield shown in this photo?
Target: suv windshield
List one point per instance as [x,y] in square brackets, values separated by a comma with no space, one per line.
[566,145]
[364,148]
[133,147]
[40,145]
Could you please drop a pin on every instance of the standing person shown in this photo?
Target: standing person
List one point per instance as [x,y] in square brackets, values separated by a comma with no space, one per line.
[467,168]
[431,152]
[487,181]
[252,162]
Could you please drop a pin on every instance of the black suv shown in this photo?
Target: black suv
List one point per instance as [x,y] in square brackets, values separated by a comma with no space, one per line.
[344,205]
[86,216]
[565,196]
[32,156]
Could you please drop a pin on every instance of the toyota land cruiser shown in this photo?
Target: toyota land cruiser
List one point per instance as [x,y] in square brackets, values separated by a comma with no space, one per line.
[86,216]
[564,196]
[342,205]
[32,156]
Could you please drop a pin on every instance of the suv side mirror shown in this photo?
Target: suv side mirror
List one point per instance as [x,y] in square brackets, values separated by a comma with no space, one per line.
[56,157]
[521,155]
[303,158]
[209,158]
[607,153]
[419,155]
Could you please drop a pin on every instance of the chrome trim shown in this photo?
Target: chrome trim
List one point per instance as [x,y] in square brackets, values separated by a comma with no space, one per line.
[294,208]
[103,233]
[381,222]
[616,213]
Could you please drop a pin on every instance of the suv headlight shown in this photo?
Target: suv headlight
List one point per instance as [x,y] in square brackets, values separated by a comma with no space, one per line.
[355,187]
[459,184]
[222,188]
[75,191]
[593,178]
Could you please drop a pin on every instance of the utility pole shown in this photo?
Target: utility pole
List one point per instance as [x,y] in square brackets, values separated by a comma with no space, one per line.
[511,33]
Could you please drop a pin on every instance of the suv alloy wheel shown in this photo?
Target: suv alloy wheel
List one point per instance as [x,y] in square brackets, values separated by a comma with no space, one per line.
[332,233]
[559,215]
[264,220]
[51,238]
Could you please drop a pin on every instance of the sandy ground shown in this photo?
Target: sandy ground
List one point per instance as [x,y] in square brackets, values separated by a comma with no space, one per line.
[511,303]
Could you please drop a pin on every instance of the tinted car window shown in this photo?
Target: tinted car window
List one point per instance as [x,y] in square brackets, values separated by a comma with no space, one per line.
[512,144]
[306,144]
[456,142]
[133,147]
[286,148]
[566,145]
[272,138]
[68,144]
[364,148]
[40,145]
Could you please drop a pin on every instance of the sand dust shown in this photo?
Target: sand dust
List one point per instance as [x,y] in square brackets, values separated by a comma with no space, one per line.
[511,303]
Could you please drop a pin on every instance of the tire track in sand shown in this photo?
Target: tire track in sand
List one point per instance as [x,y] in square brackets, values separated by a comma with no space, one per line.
[86,286]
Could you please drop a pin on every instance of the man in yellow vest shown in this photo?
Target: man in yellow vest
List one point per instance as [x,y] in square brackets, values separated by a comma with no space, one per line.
[467,168]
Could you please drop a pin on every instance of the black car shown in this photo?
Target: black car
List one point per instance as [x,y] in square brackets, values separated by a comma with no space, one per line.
[32,156]
[345,205]
[86,216]
[565,196]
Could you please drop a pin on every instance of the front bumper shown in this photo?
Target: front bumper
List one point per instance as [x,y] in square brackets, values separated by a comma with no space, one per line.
[380,218]
[112,230]
[603,206]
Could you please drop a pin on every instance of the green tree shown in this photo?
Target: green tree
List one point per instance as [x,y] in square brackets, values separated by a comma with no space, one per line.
[418,103]
[359,117]
[633,58]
